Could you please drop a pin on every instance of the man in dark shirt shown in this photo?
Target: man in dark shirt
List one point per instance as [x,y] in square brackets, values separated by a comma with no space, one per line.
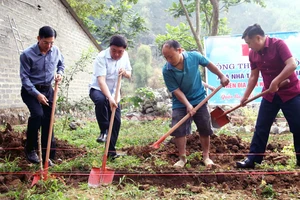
[40,65]
[272,58]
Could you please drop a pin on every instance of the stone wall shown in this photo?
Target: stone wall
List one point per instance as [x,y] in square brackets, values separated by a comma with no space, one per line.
[29,16]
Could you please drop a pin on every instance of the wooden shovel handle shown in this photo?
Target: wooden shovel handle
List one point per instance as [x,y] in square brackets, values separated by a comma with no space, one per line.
[46,165]
[283,83]
[187,116]
[112,118]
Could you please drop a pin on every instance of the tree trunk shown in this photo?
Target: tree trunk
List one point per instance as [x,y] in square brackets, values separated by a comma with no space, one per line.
[192,28]
[215,21]
[198,24]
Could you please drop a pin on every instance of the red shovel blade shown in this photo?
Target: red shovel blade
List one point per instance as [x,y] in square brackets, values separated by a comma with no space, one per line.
[36,179]
[218,119]
[98,177]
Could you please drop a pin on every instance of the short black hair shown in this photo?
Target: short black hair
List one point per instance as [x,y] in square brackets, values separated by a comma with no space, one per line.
[171,44]
[46,32]
[253,30]
[119,41]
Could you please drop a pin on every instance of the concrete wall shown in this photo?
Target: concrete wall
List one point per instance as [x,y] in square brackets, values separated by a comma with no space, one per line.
[29,16]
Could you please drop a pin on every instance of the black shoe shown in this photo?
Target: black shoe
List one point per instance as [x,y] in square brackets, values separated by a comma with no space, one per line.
[102,137]
[246,163]
[50,163]
[113,156]
[32,156]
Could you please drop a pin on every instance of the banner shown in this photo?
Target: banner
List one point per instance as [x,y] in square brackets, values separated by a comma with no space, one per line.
[230,55]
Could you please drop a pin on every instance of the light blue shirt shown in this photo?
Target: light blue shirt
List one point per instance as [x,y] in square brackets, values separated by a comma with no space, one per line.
[187,80]
[39,69]
[104,65]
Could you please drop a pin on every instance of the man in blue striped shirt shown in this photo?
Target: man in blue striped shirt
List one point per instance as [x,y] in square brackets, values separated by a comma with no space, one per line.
[40,65]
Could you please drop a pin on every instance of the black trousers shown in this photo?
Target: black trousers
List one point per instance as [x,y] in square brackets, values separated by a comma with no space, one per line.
[103,114]
[266,115]
[40,116]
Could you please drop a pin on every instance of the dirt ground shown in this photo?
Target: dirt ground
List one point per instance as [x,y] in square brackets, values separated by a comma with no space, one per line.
[225,151]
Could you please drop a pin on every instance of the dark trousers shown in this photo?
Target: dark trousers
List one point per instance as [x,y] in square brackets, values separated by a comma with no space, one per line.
[266,116]
[39,117]
[103,114]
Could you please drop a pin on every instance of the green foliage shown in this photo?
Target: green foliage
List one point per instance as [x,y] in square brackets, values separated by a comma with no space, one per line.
[228,3]
[63,103]
[9,166]
[70,72]
[195,156]
[181,33]
[119,18]
[141,95]
[206,13]
[48,189]
[223,29]
[142,66]
[85,9]
[106,18]
[268,191]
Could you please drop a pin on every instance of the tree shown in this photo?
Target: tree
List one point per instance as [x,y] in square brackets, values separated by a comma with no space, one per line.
[207,14]
[142,66]
[106,18]
[180,33]
[119,19]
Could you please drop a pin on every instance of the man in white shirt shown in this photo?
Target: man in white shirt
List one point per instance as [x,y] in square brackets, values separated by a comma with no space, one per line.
[108,65]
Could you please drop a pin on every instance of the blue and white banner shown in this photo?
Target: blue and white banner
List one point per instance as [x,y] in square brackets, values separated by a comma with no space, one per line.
[230,55]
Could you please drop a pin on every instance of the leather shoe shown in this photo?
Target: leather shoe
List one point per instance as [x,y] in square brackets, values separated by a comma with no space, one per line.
[113,156]
[246,163]
[102,138]
[50,163]
[32,156]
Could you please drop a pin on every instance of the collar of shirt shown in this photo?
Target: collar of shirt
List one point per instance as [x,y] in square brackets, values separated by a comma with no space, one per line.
[37,50]
[264,49]
[107,53]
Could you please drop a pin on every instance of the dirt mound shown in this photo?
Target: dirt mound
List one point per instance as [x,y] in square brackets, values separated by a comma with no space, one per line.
[12,149]
[225,151]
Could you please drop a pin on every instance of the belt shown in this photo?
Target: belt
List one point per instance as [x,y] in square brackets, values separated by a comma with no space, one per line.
[42,87]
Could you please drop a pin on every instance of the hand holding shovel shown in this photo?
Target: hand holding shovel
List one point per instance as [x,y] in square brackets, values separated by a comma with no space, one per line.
[219,118]
[103,175]
[187,116]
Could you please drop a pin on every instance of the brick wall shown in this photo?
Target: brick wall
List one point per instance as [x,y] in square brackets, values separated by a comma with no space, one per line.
[29,16]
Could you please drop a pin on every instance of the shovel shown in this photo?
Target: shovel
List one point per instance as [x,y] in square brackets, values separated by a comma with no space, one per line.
[219,118]
[37,177]
[187,116]
[103,175]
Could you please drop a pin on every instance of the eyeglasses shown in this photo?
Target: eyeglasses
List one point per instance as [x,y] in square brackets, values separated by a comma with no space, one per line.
[47,43]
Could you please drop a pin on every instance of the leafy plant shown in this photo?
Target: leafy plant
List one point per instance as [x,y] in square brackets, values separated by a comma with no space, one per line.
[141,95]
[118,18]
[9,166]
[181,33]
[63,103]
[268,191]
